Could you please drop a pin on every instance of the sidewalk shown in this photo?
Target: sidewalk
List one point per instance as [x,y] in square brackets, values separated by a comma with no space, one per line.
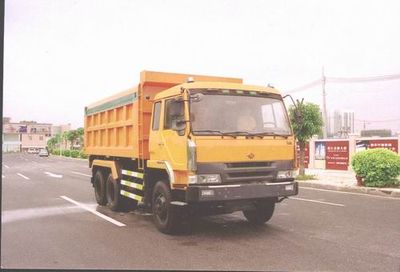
[343,181]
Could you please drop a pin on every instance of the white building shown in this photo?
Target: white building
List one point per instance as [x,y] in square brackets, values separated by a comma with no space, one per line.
[11,142]
[341,123]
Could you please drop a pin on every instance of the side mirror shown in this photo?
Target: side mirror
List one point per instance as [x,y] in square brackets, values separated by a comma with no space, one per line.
[297,113]
[298,116]
[178,99]
[179,126]
[196,97]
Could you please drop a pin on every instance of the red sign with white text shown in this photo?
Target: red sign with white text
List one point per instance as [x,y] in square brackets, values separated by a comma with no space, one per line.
[337,155]
[388,144]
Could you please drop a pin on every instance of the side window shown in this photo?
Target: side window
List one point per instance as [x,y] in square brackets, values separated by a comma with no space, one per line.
[173,111]
[156,116]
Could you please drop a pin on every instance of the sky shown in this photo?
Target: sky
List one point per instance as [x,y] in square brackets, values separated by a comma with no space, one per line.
[60,56]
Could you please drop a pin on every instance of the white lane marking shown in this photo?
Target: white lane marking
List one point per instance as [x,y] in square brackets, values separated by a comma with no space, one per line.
[53,175]
[316,201]
[105,217]
[6,166]
[348,193]
[25,177]
[32,213]
[82,174]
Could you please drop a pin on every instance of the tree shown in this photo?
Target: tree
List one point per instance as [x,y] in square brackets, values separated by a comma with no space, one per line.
[64,138]
[51,143]
[71,136]
[54,141]
[80,133]
[306,121]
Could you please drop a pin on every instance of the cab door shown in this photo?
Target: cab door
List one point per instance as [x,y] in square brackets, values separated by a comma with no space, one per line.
[166,143]
[155,142]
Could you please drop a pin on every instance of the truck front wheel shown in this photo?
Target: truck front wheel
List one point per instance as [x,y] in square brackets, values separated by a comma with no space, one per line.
[165,216]
[99,185]
[263,211]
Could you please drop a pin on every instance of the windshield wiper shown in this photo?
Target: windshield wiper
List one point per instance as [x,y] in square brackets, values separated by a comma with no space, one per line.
[237,133]
[218,132]
[240,133]
[208,131]
[270,134]
[257,134]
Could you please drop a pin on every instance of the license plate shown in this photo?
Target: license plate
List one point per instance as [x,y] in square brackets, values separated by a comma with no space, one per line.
[289,187]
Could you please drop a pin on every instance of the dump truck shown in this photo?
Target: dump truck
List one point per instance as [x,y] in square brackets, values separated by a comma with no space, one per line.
[182,145]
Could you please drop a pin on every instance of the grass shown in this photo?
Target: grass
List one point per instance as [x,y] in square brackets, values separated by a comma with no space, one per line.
[306,177]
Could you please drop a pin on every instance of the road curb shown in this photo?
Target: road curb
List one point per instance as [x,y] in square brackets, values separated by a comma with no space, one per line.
[58,156]
[353,189]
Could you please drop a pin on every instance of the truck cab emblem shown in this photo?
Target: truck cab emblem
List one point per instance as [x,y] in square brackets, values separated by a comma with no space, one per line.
[250,156]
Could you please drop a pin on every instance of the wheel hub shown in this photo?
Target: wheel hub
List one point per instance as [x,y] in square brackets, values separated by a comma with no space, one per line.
[161,207]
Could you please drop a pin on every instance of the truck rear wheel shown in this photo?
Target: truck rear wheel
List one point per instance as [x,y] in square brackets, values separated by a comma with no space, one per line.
[99,185]
[115,201]
[262,213]
[165,216]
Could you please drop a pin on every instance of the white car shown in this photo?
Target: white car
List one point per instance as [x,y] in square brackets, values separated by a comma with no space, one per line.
[43,153]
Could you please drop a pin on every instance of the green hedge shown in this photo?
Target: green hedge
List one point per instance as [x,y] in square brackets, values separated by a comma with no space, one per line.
[82,155]
[70,153]
[74,153]
[379,167]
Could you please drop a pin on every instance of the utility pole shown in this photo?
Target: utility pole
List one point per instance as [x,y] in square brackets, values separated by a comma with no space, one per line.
[325,116]
[365,124]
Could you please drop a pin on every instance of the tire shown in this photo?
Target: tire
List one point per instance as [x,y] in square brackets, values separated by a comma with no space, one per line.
[165,216]
[262,213]
[99,185]
[115,201]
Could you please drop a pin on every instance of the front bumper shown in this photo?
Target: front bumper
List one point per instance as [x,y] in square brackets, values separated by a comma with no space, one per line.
[207,193]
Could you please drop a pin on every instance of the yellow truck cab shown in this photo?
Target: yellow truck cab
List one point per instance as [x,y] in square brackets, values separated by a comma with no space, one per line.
[183,145]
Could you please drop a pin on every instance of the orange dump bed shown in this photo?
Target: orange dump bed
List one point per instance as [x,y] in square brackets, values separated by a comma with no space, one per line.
[119,125]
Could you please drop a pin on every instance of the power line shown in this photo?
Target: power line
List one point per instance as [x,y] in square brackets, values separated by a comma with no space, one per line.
[344,80]
[377,121]
[362,79]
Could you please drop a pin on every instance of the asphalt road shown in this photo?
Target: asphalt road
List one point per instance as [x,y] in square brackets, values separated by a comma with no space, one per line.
[49,220]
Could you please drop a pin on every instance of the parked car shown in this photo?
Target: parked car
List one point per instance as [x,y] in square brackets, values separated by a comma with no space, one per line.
[32,150]
[43,153]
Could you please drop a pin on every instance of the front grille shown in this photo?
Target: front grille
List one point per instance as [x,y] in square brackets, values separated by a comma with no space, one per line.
[249,172]
[244,172]
[248,164]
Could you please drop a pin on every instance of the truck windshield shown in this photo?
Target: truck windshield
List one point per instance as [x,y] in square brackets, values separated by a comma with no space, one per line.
[216,114]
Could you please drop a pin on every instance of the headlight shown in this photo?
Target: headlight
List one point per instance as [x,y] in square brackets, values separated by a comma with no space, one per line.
[204,179]
[284,174]
[191,156]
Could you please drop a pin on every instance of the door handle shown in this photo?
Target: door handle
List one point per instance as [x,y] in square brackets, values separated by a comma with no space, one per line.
[160,144]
